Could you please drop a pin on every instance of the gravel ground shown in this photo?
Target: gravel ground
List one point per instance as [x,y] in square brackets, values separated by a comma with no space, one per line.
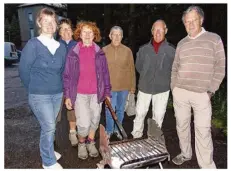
[22,142]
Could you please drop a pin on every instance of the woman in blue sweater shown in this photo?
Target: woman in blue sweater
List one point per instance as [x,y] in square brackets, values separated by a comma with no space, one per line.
[40,69]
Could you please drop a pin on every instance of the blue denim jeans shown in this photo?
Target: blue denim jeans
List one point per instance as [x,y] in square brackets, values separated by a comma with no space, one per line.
[46,108]
[118,101]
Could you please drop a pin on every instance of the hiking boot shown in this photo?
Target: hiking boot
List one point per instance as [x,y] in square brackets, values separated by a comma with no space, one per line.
[180,159]
[73,138]
[118,135]
[82,151]
[93,152]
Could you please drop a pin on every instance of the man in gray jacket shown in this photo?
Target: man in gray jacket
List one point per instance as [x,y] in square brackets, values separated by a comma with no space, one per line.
[154,63]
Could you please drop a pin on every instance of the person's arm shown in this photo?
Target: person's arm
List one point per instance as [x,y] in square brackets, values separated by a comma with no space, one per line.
[139,61]
[66,75]
[27,60]
[175,66]
[132,71]
[64,54]
[219,67]
[107,83]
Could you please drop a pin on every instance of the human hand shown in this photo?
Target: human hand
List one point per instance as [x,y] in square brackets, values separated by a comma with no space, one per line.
[108,98]
[68,104]
[132,91]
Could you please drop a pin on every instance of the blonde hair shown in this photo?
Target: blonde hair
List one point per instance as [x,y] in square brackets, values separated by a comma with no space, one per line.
[45,11]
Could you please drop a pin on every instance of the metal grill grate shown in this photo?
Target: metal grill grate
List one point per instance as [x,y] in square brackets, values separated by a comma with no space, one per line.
[138,152]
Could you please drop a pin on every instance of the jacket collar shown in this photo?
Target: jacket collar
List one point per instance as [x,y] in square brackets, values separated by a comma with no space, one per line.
[64,42]
[77,47]
[116,47]
[163,43]
[202,31]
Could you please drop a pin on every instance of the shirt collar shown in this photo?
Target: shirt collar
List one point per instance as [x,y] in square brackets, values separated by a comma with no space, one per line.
[65,42]
[82,46]
[116,47]
[47,41]
[202,31]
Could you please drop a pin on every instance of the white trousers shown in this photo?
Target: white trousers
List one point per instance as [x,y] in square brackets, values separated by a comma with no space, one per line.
[159,104]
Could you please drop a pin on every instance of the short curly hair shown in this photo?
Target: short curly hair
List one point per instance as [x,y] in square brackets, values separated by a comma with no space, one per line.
[89,24]
[65,21]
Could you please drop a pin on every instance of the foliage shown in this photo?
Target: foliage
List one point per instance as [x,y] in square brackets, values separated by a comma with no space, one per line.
[219,106]
[170,101]
[15,31]
[11,25]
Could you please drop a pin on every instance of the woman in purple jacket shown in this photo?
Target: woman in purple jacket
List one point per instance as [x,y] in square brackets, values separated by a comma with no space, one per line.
[86,85]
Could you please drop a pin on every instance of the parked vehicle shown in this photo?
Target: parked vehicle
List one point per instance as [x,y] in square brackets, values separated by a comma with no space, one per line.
[19,54]
[10,53]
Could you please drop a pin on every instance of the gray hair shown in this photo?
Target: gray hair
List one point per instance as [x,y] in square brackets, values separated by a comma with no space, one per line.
[197,9]
[117,28]
[159,20]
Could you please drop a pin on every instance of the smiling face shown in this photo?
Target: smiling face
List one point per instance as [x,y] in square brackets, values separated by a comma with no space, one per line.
[87,35]
[192,23]
[47,24]
[116,37]
[65,32]
[158,31]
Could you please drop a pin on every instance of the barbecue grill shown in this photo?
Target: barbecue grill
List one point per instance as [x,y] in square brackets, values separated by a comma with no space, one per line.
[134,153]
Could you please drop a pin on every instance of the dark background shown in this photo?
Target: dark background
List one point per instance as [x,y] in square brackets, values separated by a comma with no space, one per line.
[135,19]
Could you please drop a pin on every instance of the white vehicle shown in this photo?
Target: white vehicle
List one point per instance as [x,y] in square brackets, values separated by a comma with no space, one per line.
[10,53]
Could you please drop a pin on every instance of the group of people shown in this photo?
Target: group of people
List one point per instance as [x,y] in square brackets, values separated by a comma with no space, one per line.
[82,75]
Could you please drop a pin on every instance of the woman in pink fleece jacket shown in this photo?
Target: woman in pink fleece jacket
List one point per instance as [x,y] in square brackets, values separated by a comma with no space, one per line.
[86,85]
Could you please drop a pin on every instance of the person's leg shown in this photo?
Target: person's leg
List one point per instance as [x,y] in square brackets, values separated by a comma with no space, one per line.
[202,120]
[159,104]
[42,107]
[120,105]
[72,123]
[183,115]
[83,122]
[58,119]
[142,106]
[57,101]
[109,120]
[95,108]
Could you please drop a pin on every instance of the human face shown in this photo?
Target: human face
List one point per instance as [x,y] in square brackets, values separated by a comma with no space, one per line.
[65,32]
[159,31]
[192,23]
[116,37]
[87,35]
[47,24]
